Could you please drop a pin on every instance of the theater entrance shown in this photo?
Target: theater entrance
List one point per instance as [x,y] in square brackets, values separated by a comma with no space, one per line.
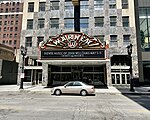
[94,75]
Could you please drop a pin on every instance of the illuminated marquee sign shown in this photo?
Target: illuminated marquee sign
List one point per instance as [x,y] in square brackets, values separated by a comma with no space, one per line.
[71,41]
[73,54]
[72,45]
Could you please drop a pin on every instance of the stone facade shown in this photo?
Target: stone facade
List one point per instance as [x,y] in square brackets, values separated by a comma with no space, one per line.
[117,47]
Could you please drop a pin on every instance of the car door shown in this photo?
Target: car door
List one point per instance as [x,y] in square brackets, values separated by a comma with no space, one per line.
[68,88]
[76,88]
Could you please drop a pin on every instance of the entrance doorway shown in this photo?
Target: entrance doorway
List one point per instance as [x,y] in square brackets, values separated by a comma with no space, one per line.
[94,75]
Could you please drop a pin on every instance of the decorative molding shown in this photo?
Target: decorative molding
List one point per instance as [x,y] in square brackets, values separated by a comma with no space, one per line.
[72,40]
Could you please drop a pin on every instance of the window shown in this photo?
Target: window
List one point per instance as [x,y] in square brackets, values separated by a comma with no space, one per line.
[0,22]
[41,6]
[5,29]
[69,23]
[84,4]
[15,35]
[39,39]
[41,23]
[126,38]
[17,10]
[113,38]
[29,24]
[54,5]
[113,20]
[4,35]
[1,10]
[12,22]
[11,28]
[5,23]
[100,37]
[28,42]
[12,16]
[3,42]
[112,4]
[16,22]
[17,16]
[10,35]
[84,23]
[1,16]
[54,23]
[10,42]
[124,4]
[98,4]
[15,42]
[68,5]
[6,16]
[99,21]
[13,10]
[16,28]
[125,21]
[6,10]
[0,29]
[31,7]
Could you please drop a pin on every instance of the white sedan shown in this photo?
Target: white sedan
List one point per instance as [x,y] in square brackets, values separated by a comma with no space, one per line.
[74,87]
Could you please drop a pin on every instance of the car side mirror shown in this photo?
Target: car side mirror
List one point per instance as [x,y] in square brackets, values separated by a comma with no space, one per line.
[65,86]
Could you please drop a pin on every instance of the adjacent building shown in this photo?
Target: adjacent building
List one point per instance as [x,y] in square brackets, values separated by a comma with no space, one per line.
[79,40]
[10,22]
[144,39]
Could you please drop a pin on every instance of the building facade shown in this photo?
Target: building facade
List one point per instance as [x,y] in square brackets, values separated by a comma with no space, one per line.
[144,32]
[111,22]
[10,22]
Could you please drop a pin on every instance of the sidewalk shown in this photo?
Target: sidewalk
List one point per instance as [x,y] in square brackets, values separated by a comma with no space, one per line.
[110,90]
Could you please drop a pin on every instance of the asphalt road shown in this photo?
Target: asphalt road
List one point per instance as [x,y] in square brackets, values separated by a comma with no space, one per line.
[43,106]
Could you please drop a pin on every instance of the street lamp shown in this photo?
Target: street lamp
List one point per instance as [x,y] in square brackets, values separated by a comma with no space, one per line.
[129,50]
[23,53]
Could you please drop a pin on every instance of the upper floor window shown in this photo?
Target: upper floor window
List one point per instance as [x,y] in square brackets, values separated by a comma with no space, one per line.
[126,38]
[28,42]
[54,5]
[98,4]
[39,39]
[54,23]
[84,23]
[0,16]
[1,10]
[124,4]
[84,4]
[30,24]
[41,6]
[6,10]
[112,4]
[113,38]
[0,22]
[100,37]
[41,23]
[31,7]
[99,21]
[125,21]
[68,5]
[69,23]
[113,20]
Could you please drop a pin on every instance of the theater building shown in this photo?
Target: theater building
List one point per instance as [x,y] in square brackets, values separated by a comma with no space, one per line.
[79,40]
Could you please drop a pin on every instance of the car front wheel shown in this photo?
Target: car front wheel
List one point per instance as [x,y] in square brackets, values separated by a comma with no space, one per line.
[57,92]
[83,92]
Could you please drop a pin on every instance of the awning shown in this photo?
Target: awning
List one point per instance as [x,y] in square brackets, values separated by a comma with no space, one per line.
[75,62]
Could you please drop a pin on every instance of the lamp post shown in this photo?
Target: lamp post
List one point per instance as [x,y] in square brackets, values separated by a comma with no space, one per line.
[129,50]
[23,53]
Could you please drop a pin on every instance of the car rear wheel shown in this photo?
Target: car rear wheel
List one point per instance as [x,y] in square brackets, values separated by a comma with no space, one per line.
[83,92]
[57,92]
